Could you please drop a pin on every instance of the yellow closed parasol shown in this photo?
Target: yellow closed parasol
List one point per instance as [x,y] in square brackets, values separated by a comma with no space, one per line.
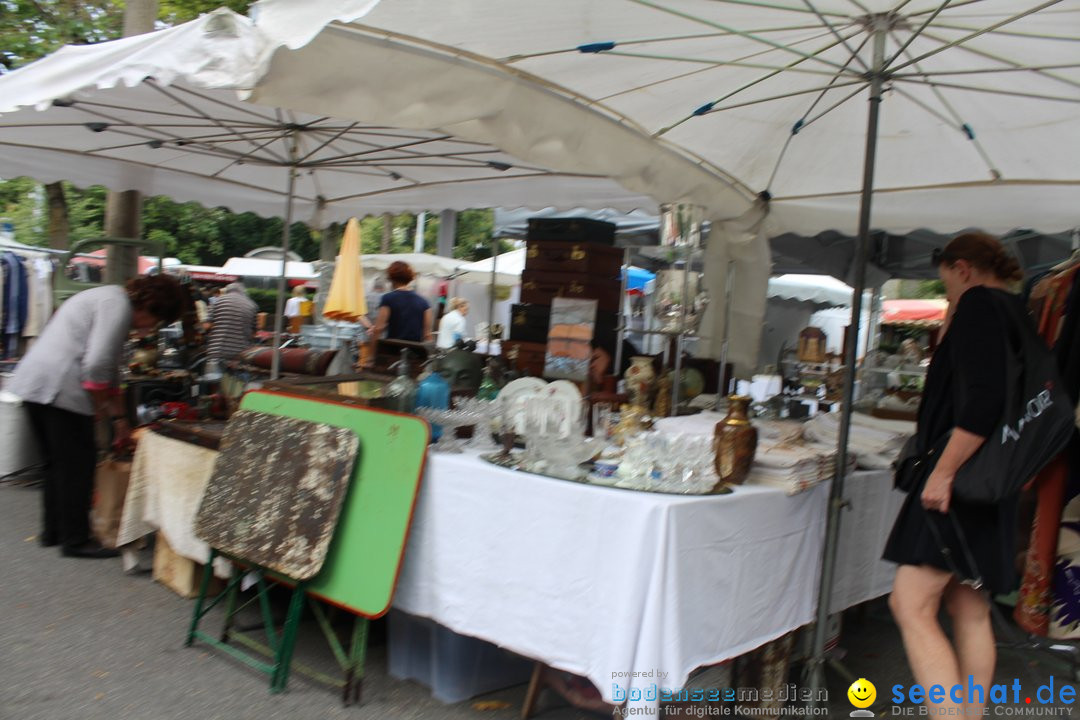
[346,299]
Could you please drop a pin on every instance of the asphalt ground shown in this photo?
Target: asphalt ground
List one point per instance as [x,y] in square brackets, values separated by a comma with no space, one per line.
[80,640]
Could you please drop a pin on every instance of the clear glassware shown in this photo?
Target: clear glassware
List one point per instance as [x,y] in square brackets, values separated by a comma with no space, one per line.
[484,414]
[449,421]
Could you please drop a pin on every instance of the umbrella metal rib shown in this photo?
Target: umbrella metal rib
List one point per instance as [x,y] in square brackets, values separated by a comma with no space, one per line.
[714,64]
[835,32]
[915,35]
[961,125]
[1038,69]
[977,33]
[804,123]
[1010,33]
[710,107]
[214,121]
[784,96]
[647,41]
[993,91]
[741,33]
[774,6]
[719,64]
[1012,64]
[328,141]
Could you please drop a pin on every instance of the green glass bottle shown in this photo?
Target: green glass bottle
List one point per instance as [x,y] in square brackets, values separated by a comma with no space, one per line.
[488,389]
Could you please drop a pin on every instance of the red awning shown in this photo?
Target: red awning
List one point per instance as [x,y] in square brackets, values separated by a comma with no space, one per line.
[926,313]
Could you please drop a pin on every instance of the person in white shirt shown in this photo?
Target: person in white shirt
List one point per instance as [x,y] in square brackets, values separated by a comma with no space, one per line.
[452,325]
[294,305]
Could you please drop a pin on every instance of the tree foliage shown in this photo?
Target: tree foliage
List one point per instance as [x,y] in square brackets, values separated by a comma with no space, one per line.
[30,29]
[174,12]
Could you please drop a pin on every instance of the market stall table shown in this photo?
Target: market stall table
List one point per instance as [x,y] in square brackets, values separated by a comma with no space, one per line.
[596,580]
[604,582]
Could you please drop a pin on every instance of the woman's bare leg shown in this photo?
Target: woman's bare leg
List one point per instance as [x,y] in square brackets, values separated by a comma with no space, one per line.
[915,601]
[974,634]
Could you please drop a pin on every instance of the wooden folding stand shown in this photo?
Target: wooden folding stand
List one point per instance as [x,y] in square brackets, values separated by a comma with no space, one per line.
[356,572]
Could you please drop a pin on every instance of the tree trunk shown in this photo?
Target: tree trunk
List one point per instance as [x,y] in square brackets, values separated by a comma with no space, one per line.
[387,232]
[123,219]
[447,232]
[139,16]
[123,210]
[328,245]
[59,227]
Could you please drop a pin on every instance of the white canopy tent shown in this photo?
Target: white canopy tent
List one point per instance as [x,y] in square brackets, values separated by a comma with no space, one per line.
[820,290]
[765,94]
[280,120]
[508,267]
[258,267]
[422,263]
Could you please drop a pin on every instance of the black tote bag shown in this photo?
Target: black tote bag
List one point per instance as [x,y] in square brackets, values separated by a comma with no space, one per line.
[1037,421]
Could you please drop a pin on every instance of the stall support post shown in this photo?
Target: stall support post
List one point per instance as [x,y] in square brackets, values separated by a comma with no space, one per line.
[279,318]
[722,389]
[491,294]
[616,368]
[815,670]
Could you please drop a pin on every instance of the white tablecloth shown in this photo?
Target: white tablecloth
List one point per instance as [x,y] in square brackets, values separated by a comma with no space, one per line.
[597,580]
[168,478]
[861,574]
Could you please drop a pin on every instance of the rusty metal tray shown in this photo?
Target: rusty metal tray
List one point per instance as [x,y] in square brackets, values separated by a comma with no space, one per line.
[276,491]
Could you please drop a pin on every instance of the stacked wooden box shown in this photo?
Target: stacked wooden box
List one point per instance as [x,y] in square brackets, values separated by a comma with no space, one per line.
[569,258]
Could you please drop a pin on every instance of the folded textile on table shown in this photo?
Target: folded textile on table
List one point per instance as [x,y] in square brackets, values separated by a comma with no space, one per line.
[875,442]
[788,461]
[702,423]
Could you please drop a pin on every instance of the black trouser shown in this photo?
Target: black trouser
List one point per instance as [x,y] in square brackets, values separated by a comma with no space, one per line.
[67,445]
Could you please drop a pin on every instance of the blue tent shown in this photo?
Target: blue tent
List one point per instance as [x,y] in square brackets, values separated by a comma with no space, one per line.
[637,277]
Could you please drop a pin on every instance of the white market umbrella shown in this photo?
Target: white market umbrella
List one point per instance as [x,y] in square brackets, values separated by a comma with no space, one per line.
[974,107]
[770,94]
[172,113]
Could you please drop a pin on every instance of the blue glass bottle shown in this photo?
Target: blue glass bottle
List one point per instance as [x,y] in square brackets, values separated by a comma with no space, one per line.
[401,392]
[433,392]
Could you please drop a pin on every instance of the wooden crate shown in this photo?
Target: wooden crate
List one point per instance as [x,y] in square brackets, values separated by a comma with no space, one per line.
[571,230]
[541,287]
[574,258]
[178,573]
[530,357]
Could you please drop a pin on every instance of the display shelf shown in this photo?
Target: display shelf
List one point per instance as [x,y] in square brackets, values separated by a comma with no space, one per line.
[921,372]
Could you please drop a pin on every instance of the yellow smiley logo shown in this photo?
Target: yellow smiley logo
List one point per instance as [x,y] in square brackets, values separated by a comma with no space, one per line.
[862,693]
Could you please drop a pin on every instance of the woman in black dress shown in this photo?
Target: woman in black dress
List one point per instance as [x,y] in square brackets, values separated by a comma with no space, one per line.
[964,394]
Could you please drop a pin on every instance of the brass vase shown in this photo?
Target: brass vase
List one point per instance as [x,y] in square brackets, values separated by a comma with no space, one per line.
[735,443]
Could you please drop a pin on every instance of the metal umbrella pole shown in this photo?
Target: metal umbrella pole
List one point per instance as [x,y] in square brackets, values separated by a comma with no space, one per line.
[491,293]
[275,363]
[721,388]
[815,672]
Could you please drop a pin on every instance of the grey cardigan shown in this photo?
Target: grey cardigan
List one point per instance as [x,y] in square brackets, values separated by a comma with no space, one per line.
[79,350]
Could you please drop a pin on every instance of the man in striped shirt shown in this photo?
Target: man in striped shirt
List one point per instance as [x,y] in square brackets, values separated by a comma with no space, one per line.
[232,324]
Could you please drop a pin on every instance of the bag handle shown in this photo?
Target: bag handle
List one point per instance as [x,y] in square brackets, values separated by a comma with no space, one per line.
[975,583]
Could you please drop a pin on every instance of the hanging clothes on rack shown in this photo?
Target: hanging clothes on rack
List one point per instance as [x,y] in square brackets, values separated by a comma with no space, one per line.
[39,272]
[16,300]
[1044,601]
